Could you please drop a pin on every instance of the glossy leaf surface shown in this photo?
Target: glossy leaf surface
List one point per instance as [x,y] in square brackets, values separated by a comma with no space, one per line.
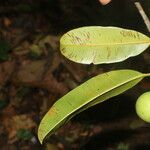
[93,91]
[99,45]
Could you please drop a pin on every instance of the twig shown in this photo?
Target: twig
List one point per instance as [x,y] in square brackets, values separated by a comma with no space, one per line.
[143,14]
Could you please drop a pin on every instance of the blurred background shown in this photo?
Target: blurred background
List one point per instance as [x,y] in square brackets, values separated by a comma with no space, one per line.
[33,75]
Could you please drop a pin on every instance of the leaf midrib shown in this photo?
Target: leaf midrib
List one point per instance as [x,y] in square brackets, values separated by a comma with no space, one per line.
[108,44]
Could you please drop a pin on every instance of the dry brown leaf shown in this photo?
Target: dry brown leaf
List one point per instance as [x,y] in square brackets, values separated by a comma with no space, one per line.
[51,40]
[50,147]
[7,22]
[6,69]
[13,123]
[38,74]
[77,71]
[30,71]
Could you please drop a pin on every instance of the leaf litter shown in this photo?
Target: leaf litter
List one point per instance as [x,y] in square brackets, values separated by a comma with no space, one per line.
[48,78]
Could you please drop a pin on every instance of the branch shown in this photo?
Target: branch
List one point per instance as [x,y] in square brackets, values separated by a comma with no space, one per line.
[144,16]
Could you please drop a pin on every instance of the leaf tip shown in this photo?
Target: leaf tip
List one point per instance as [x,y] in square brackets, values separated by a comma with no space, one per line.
[41,135]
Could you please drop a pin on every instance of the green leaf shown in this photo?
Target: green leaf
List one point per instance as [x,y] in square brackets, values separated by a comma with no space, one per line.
[99,45]
[92,92]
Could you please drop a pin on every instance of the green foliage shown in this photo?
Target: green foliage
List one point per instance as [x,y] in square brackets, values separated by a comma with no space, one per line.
[95,45]
[4,50]
[102,44]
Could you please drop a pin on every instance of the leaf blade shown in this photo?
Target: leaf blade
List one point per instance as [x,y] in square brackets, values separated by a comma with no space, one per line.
[96,44]
[85,96]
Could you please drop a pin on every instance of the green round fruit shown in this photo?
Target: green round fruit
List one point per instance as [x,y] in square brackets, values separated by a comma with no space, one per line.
[143,107]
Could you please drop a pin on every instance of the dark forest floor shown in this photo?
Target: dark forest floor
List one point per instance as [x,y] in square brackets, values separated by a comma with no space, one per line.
[33,75]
